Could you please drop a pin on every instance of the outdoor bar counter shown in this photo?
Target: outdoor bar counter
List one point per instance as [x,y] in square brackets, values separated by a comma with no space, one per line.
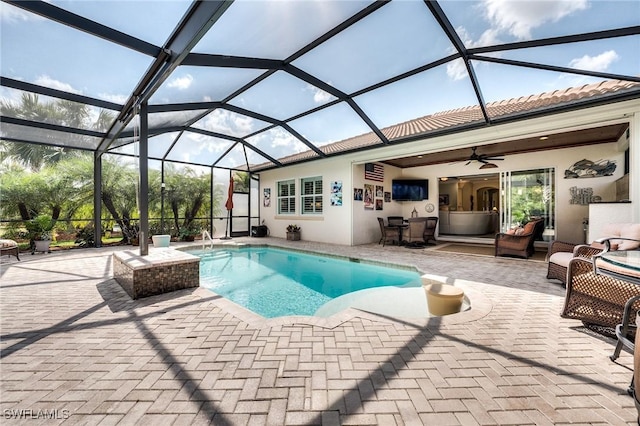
[466,222]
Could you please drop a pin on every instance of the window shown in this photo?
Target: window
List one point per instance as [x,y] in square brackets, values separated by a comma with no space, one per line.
[286,197]
[311,195]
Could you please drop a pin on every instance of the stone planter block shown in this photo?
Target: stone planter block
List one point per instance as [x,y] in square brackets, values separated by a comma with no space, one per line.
[161,271]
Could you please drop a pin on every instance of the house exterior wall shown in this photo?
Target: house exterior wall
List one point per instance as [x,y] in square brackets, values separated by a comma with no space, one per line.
[351,224]
[569,216]
[334,224]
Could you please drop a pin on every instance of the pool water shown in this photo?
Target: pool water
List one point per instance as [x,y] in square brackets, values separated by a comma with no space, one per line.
[275,282]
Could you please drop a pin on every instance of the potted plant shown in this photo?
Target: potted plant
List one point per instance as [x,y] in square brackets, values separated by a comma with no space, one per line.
[40,229]
[188,233]
[293,232]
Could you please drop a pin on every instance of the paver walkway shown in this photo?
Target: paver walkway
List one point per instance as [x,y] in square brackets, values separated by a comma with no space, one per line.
[76,348]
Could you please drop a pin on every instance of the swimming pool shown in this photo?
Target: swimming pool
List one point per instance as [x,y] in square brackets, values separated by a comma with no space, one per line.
[274,282]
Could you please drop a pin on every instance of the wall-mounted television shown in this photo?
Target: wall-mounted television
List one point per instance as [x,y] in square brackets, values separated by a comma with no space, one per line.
[409,189]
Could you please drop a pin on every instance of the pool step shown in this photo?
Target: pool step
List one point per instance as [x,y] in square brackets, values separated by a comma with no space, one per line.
[215,255]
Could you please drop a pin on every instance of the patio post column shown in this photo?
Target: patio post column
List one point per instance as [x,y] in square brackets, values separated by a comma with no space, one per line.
[97,199]
[144,180]
[211,206]
[634,163]
[162,189]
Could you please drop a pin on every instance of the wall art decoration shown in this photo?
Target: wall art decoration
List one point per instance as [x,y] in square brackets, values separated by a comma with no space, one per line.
[378,203]
[387,197]
[373,171]
[336,193]
[583,196]
[379,191]
[266,197]
[358,194]
[368,196]
[590,169]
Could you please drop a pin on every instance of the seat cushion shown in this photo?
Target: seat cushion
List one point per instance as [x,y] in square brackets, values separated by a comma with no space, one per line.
[561,258]
[625,230]
[7,244]
[528,228]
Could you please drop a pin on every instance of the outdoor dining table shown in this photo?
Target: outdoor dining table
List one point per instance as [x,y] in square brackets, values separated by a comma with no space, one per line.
[622,264]
[401,228]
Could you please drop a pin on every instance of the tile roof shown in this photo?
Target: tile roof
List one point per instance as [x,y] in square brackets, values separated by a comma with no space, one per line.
[466,116]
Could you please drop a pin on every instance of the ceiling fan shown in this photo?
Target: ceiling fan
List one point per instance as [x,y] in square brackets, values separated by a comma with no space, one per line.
[485,159]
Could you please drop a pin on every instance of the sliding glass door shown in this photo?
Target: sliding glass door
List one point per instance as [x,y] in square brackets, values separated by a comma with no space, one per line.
[526,194]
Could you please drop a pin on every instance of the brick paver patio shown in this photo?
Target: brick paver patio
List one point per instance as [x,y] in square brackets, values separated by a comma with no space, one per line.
[77,350]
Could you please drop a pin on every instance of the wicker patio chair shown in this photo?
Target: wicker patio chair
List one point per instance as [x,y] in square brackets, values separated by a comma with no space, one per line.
[597,300]
[10,248]
[415,237]
[560,254]
[617,236]
[430,229]
[519,245]
[389,234]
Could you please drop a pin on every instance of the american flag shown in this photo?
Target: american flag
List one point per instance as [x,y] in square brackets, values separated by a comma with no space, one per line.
[373,171]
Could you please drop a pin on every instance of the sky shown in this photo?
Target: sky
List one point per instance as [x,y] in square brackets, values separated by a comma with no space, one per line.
[397,38]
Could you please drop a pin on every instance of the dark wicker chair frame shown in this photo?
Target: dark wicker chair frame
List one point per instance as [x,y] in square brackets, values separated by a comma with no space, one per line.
[415,234]
[389,234]
[559,272]
[519,245]
[597,299]
[430,229]
[11,251]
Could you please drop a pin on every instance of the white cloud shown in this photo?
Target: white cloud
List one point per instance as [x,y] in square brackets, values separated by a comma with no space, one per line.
[111,97]
[519,18]
[281,138]
[10,14]
[181,83]
[228,123]
[280,143]
[46,81]
[319,95]
[456,70]
[595,63]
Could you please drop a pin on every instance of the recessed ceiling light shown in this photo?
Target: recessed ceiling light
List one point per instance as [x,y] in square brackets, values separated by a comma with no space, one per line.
[419,156]
[544,138]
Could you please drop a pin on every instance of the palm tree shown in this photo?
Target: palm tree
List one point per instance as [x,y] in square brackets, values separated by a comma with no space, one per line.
[63,112]
[186,191]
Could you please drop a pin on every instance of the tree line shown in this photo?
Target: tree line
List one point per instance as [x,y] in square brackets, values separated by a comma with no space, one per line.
[37,179]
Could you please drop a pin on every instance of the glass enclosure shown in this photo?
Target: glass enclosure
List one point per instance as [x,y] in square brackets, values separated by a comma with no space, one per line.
[527,194]
[483,205]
